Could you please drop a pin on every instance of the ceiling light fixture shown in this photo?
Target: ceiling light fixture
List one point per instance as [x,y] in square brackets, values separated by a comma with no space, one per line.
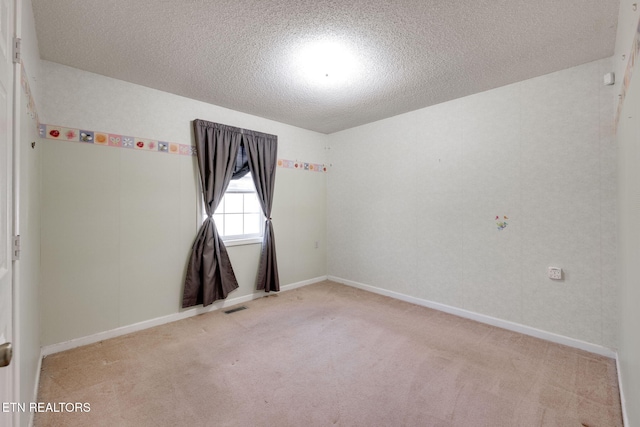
[326,63]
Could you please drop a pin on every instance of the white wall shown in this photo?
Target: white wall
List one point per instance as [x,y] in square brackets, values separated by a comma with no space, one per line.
[628,140]
[118,224]
[28,268]
[412,202]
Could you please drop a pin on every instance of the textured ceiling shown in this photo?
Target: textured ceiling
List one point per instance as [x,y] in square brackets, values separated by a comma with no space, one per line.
[242,54]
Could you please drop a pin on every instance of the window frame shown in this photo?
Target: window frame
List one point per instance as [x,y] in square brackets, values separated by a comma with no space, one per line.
[241,239]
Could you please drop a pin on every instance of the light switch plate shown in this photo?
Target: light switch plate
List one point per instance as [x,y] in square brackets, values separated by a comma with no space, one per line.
[555,273]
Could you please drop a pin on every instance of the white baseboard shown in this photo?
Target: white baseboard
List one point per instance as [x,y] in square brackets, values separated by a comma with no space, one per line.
[623,402]
[303,283]
[217,305]
[36,387]
[504,324]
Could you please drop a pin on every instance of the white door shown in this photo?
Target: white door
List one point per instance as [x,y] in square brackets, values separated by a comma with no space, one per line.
[6,210]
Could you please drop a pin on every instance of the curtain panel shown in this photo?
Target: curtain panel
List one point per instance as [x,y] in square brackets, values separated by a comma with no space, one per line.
[210,275]
[262,152]
[225,152]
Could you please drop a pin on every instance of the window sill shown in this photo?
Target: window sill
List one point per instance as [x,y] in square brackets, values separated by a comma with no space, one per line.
[241,242]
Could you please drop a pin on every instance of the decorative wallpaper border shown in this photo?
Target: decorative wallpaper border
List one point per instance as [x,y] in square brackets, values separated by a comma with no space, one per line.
[633,55]
[294,164]
[61,133]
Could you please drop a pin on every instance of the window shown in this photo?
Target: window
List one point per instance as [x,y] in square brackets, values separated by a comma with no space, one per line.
[239,216]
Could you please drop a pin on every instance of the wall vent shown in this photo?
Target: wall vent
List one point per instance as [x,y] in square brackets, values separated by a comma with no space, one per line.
[233,310]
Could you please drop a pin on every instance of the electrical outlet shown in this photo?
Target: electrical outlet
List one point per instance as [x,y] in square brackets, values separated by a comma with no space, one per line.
[555,273]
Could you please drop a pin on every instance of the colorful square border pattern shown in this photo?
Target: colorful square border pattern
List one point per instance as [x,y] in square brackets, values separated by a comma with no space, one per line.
[61,133]
[294,164]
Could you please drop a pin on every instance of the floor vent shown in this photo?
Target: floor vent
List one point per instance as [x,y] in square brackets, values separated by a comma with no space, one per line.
[233,310]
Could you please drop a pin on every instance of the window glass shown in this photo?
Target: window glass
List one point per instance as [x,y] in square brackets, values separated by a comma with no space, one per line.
[233,203]
[239,215]
[252,223]
[233,224]
[251,203]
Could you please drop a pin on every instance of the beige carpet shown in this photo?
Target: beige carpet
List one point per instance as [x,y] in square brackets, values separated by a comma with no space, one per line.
[324,355]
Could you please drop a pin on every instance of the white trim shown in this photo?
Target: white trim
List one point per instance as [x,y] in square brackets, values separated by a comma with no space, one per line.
[36,386]
[303,283]
[13,146]
[505,324]
[625,419]
[242,241]
[123,330]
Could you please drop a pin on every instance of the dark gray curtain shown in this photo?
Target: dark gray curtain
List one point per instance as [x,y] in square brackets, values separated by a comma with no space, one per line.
[210,276]
[262,151]
[242,164]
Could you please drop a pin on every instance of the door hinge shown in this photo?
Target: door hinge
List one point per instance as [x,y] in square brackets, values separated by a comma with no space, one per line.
[17,42]
[15,250]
